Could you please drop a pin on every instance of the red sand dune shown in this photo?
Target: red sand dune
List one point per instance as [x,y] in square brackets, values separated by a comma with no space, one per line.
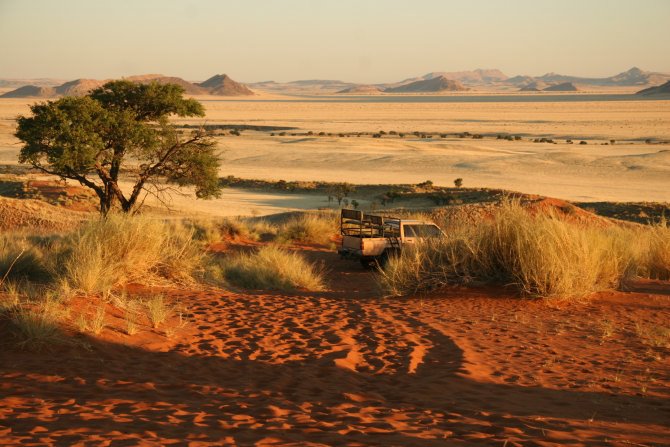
[343,367]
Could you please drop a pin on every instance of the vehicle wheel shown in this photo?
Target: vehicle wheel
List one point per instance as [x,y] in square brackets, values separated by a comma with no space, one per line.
[367,264]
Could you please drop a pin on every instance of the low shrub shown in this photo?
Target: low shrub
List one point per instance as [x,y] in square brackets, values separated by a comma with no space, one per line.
[271,267]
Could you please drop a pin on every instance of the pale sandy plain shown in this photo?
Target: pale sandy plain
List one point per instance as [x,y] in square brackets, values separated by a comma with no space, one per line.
[630,170]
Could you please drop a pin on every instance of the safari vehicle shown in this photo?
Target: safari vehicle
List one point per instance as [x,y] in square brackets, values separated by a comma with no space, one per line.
[373,239]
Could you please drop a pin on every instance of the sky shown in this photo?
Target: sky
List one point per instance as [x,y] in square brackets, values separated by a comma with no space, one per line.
[352,40]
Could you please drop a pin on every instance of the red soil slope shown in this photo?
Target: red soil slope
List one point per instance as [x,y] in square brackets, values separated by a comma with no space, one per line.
[344,367]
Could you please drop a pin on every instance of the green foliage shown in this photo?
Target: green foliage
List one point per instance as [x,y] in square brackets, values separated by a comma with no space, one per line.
[89,139]
[148,102]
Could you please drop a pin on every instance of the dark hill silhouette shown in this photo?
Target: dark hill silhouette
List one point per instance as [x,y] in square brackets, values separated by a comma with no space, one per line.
[438,84]
[362,89]
[221,84]
[663,89]
[564,87]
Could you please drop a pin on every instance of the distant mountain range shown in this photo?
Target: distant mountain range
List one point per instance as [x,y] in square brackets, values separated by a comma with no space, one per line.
[632,77]
[479,78]
[220,85]
[434,82]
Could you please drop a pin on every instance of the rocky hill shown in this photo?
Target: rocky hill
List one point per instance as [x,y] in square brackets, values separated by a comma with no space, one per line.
[30,91]
[533,86]
[657,90]
[361,90]
[222,85]
[434,85]
[78,87]
[562,87]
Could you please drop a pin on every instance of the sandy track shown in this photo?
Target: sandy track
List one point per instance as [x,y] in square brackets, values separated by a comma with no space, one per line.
[345,368]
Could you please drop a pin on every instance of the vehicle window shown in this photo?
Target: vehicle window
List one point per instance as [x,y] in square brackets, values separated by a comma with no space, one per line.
[420,230]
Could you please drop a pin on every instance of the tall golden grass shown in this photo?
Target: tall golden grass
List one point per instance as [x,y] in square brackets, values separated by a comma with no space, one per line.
[657,259]
[271,267]
[542,255]
[309,228]
[121,249]
[210,231]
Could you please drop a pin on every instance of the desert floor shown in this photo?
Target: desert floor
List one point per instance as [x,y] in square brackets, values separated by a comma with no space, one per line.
[630,170]
[345,367]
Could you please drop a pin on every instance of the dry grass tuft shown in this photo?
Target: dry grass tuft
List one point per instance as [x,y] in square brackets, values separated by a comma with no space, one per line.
[36,327]
[653,335]
[309,228]
[271,267]
[158,310]
[542,256]
[658,253]
[21,259]
[212,231]
[121,249]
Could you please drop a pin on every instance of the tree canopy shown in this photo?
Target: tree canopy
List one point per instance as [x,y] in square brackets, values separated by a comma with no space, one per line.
[121,128]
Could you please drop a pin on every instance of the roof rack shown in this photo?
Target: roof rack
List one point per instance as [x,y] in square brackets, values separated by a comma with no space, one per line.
[356,223]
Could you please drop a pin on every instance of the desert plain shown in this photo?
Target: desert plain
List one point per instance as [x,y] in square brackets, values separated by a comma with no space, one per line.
[348,364]
[635,168]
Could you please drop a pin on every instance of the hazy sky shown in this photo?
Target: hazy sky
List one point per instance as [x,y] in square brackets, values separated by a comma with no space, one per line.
[352,40]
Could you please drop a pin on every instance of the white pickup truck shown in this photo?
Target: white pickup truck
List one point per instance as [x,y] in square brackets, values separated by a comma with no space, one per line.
[373,239]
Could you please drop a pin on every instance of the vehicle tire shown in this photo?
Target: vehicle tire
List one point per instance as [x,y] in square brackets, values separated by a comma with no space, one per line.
[367,263]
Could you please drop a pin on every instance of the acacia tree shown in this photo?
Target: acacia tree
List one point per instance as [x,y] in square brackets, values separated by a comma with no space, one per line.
[121,128]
